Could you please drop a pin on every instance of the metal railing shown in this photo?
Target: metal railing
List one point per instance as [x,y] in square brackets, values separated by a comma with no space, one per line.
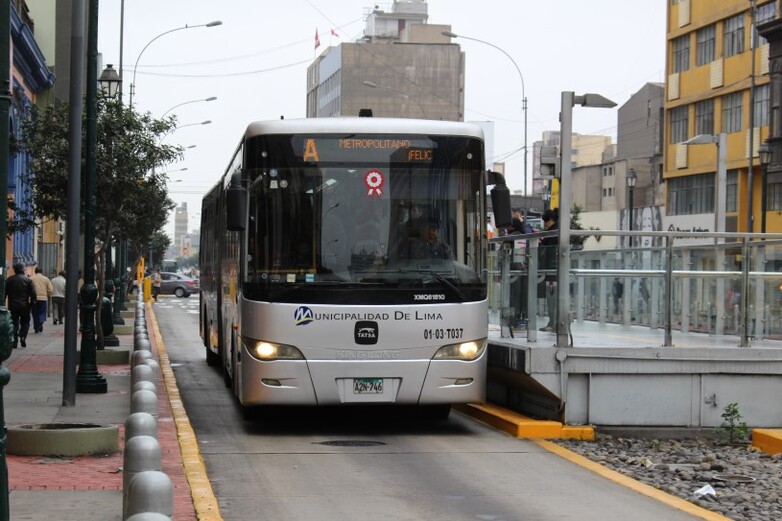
[714,283]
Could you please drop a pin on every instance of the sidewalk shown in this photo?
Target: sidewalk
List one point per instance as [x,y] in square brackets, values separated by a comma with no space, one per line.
[85,487]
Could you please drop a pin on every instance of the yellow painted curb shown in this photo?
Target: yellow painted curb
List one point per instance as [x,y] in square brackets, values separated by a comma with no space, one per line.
[201,492]
[522,426]
[767,440]
[641,488]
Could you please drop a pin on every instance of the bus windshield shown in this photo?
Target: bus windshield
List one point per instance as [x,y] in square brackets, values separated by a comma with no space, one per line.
[400,210]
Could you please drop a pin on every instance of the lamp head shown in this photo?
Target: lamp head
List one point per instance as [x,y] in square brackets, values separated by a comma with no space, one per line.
[631,178]
[765,153]
[109,81]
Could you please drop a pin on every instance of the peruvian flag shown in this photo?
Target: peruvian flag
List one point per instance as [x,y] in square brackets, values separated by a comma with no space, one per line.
[317,39]
[334,33]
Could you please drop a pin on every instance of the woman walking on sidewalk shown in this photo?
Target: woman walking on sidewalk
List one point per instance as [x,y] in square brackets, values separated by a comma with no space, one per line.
[58,297]
[21,296]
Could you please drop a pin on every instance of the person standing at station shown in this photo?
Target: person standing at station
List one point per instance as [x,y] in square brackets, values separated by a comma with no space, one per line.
[617,291]
[58,298]
[547,254]
[43,290]
[518,289]
[20,293]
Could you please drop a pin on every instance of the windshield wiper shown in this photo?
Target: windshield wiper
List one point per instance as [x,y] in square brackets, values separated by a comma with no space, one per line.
[450,285]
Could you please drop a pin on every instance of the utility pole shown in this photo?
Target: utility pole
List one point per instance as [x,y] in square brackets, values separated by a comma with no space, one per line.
[6,329]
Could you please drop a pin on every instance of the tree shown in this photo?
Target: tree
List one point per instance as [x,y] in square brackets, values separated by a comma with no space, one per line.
[577,241]
[132,197]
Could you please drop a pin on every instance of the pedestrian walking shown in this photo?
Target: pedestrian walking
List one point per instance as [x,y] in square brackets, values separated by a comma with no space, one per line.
[20,293]
[58,298]
[157,281]
[43,290]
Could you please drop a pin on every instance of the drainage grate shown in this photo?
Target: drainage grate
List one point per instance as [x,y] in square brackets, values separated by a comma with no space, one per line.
[349,443]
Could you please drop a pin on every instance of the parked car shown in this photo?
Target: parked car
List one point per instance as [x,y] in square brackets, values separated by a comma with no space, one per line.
[176,284]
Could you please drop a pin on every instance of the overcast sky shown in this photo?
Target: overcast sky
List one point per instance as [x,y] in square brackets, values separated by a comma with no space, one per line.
[255,64]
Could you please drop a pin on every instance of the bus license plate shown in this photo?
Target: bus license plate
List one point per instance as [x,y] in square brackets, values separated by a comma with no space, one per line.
[368,386]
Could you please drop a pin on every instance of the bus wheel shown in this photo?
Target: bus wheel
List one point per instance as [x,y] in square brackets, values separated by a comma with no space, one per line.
[227,380]
[212,359]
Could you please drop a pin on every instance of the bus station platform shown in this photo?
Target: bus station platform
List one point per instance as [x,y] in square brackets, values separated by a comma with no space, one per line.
[619,375]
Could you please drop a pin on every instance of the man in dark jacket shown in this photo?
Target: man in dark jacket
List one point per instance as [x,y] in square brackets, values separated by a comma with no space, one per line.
[547,254]
[21,297]
[518,289]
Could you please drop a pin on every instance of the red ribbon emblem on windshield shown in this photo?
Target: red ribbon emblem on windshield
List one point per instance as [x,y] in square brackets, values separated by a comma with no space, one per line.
[374,180]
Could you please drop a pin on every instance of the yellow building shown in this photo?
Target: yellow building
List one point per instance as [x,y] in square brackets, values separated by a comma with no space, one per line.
[717,71]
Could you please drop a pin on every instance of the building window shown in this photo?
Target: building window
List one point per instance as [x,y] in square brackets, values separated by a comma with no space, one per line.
[763,13]
[691,195]
[732,191]
[733,40]
[706,45]
[679,122]
[761,106]
[731,112]
[704,117]
[681,53]
[774,194]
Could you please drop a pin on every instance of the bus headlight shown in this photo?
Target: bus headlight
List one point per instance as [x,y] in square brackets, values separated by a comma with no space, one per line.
[464,351]
[268,351]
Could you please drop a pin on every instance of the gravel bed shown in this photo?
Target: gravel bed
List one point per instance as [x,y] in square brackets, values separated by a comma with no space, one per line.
[747,483]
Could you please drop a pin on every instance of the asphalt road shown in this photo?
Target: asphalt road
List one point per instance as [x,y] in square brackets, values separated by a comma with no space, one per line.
[341,464]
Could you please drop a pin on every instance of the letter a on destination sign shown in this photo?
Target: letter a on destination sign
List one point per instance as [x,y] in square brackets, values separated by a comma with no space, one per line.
[310,151]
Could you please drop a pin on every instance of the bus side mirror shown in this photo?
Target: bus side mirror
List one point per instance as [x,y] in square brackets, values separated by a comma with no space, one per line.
[500,200]
[236,204]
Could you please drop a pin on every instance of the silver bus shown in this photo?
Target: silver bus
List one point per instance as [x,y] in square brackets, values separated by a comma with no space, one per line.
[343,261]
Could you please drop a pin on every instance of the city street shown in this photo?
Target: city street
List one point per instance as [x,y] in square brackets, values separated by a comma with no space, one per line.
[342,464]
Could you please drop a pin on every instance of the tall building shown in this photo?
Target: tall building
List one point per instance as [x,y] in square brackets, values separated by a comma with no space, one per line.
[717,83]
[401,67]
[180,228]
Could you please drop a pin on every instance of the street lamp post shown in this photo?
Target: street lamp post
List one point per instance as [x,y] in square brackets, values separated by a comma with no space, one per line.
[630,179]
[88,379]
[373,85]
[133,84]
[765,154]
[210,98]
[523,90]
[720,198]
[569,99]
[111,87]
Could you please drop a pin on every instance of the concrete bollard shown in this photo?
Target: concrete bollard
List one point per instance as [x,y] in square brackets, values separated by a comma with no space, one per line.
[142,344]
[142,453]
[139,356]
[149,516]
[150,491]
[143,385]
[140,424]
[151,362]
[142,372]
[144,401]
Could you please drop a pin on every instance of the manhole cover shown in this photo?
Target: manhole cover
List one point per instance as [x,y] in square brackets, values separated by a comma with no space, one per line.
[735,478]
[350,443]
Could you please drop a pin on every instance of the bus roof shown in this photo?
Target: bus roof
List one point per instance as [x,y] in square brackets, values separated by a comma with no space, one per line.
[358,125]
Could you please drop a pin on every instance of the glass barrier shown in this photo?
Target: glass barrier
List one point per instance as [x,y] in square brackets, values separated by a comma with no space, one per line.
[716,284]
